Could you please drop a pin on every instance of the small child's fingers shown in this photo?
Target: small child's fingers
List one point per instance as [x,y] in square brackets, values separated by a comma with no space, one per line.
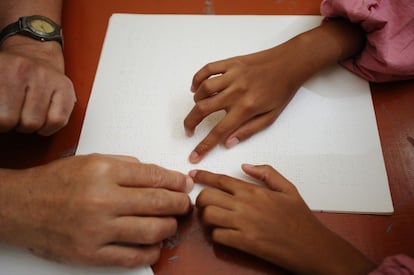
[273,179]
[208,70]
[212,86]
[218,134]
[201,110]
[219,181]
[251,127]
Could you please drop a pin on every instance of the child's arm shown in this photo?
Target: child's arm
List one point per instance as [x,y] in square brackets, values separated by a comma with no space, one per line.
[274,224]
[253,89]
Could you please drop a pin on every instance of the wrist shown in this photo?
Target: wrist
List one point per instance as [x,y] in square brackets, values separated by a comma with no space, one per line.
[49,52]
[324,46]
[337,256]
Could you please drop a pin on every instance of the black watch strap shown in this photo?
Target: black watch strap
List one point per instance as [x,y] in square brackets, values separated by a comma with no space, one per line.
[9,30]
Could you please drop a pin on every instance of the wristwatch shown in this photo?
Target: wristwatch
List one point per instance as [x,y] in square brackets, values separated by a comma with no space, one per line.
[36,26]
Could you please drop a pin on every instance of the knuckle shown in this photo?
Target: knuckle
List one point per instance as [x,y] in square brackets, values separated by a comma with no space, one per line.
[59,119]
[208,87]
[8,121]
[206,214]
[242,85]
[219,131]
[183,204]
[209,68]
[203,107]
[267,173]
[161,201]
[99,164]
[31,124]
[249,105]
[98,167]
[157,175]
[157,201]
[66,85]
[201,198]
[160,231]
[221,181]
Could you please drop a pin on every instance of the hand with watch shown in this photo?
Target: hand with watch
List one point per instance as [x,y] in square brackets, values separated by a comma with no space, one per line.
[35,94]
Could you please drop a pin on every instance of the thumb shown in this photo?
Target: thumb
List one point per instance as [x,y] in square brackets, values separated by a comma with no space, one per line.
[272,178]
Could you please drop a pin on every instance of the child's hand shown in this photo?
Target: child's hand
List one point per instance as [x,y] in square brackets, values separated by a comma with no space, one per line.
[252,89]
[273,223]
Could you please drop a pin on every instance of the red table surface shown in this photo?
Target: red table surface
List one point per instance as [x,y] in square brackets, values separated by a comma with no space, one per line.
[191,250]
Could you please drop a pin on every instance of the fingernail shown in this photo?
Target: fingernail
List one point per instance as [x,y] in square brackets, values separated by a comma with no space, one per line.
[232,142]
[189,133]
[192,88]
[246,165]
[192,173]
[189,184]
[194,157]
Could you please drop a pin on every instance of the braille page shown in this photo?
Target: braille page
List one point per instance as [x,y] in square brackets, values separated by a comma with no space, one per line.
[326,140]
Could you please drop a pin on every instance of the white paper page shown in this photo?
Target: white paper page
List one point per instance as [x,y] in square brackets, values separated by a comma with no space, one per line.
[14,261]
[326,140]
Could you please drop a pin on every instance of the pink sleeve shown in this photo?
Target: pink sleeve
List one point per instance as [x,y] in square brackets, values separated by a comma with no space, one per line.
[389,25]
[395,265]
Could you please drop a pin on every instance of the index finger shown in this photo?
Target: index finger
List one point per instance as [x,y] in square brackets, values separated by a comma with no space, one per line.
[221,131]
[225,183]
[154,176]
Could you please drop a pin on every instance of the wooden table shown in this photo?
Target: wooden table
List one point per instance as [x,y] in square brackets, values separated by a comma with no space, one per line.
[191,251]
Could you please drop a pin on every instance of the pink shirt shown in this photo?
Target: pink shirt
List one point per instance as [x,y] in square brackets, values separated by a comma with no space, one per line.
[389,25]
[395,265]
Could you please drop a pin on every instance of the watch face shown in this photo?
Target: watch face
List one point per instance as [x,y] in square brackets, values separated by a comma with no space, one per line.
[42,26]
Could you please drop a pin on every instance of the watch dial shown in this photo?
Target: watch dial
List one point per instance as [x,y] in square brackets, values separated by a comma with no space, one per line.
[42,26]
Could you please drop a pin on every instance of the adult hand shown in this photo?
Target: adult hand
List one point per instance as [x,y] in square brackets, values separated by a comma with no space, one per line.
[273,223]
[93,209]
[35,93]
[252,89]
